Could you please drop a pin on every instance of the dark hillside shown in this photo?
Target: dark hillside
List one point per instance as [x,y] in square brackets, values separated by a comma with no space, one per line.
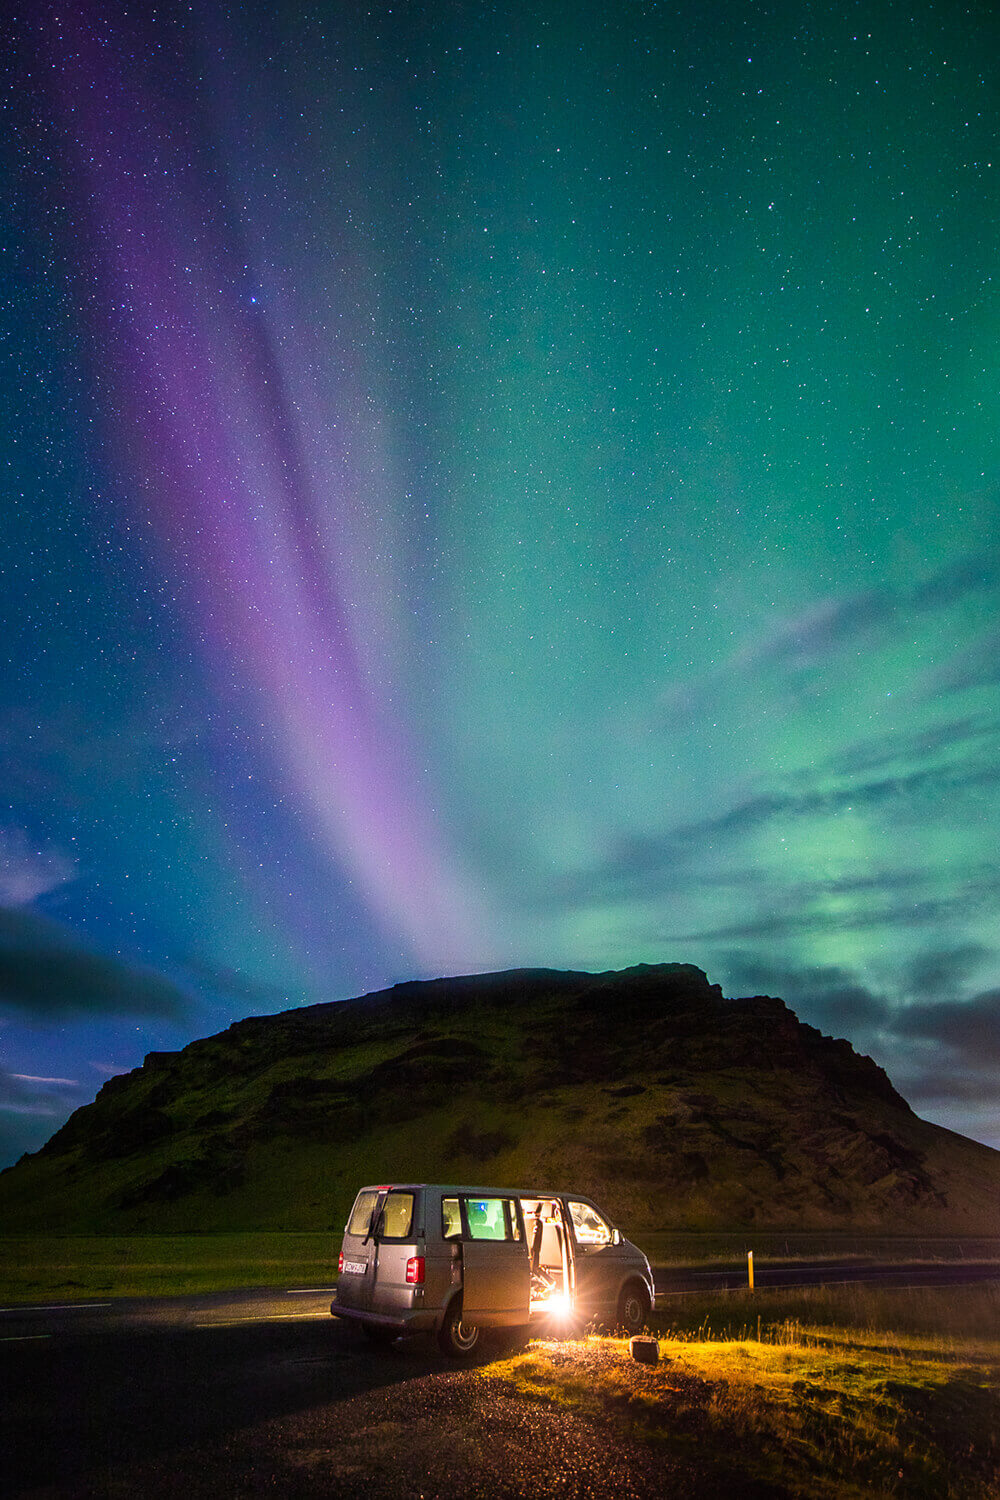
[647,1089]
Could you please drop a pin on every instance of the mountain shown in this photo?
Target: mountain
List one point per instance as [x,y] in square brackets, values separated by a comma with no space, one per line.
[646,1089]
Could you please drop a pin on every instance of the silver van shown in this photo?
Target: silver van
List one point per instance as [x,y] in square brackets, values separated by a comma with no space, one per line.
[457,1260]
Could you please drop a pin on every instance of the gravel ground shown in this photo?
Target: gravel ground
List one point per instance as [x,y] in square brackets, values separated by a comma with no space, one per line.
[412,1428]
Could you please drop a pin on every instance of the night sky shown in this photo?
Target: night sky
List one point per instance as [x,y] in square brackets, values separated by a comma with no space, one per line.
[493,485]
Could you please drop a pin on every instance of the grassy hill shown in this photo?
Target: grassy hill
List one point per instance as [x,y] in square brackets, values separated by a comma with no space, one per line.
[671,1105]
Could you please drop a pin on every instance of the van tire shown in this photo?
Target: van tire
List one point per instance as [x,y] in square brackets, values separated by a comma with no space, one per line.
[633,1307]
[459,1340]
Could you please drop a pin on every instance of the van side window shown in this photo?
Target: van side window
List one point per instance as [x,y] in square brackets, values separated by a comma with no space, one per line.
[491,1219]
[588,1225]
[451,1219]
[361,1213]
[397,1216]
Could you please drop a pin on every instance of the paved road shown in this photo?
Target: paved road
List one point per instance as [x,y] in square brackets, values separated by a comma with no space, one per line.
[242,1393]
[683,1280]
[261,1305]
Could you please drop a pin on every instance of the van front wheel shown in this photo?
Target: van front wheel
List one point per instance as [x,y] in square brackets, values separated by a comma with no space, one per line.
[633,1307]
[457,1338]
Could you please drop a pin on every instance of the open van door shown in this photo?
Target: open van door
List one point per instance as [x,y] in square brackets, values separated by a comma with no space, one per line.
[496,1278]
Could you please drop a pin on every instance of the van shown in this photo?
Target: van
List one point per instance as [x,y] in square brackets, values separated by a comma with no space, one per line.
[455,1261]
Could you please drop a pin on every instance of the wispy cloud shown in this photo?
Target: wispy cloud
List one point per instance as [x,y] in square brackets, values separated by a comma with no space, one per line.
[803,801]
[803,913]
[810,637]
[941,1055]
[27,871]
[977,664]
[803,643]
[958,738]
[32,1108]
[637,866]
[25,1094]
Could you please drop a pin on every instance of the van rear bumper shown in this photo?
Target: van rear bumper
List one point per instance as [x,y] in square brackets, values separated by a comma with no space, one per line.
[410,1322]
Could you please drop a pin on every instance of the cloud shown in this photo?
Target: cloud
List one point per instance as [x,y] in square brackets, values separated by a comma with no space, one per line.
[46,974]
[643,867]
[972,574]
[646,856]
[27,872]
[940,973]
[810,637]
[819,920]
[828,801]
[958,737]
[970,1028]
[976,665]
[941,1056]
[948,1086]
[826,995]
[807,641]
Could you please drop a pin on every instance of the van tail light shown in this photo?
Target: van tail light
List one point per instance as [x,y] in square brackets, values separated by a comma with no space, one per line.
[340,1264]
[415,1271]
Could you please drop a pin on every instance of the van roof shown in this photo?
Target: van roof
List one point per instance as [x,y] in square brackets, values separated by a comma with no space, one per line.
[461,1187]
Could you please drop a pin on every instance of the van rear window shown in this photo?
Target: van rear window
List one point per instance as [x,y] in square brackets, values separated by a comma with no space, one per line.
[397,1216]
[361,1214]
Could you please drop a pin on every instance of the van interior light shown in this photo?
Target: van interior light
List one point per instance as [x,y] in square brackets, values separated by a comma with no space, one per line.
[560,1306]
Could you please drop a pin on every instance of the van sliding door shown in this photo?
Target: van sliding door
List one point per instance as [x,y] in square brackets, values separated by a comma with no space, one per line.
[496,1279]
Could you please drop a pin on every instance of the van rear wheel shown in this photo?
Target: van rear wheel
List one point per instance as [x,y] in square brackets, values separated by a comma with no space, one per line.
[633,1307]
[457,1338]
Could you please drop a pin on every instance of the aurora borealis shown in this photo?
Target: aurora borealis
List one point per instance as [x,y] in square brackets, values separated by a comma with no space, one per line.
[488,488]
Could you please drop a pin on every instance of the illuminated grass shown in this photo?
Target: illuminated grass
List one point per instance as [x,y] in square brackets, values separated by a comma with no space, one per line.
[895,1399]
[958,1315]
[47,1268]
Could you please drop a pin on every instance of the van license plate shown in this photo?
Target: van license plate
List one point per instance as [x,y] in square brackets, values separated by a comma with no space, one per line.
[355,1267]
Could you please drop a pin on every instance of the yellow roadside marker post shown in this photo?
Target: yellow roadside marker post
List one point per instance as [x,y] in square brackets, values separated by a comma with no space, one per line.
[750,1270]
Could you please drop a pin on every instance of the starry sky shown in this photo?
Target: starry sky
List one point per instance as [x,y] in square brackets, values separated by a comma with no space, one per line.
[491,485]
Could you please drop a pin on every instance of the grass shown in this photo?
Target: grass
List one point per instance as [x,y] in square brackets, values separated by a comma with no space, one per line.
[56,1268]
[832,1392]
